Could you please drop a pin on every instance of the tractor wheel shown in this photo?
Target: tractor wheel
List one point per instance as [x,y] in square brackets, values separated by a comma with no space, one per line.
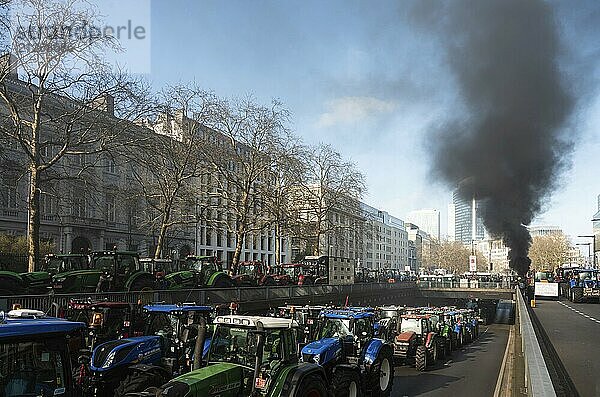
[223,282]
[421,358]
[312,386]
[8,288]
[577,294]
[142,284]
[381,374]
[139,381]
[345,383]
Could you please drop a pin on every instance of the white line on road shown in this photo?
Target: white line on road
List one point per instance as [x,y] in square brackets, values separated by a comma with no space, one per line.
[580,313]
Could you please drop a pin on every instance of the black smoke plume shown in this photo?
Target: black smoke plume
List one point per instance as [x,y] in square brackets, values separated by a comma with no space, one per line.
[510,147]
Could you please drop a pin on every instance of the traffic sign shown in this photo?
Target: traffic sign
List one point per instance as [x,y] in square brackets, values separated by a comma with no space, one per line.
[472,263]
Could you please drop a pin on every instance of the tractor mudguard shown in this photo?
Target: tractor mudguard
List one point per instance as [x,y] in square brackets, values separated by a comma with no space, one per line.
[11,278]
[372,351]
[290,378]
[213,278]
[134,277]
[430,339]
[149,368]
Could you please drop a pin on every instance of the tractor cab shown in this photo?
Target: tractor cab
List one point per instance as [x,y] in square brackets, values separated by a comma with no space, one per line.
[173,344]
[252,274]
[307,317]
[251,356]
[198,272]
[387,320]
[61,263]
[36,352]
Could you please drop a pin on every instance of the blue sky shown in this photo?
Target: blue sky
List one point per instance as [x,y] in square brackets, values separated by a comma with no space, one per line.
[357,75]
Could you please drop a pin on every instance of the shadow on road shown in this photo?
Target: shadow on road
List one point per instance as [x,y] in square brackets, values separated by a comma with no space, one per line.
[420,382]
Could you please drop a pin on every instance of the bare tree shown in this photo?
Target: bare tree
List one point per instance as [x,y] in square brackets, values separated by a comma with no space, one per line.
[329,196]
[549,252]
[286,174]
[58,96]
[240,149]
[168,164]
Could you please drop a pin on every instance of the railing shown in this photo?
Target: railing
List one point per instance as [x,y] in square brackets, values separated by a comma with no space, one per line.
[464,283]
[537,377]
[208,296]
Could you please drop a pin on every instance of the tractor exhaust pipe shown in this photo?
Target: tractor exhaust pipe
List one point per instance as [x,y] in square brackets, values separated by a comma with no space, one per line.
[199,346]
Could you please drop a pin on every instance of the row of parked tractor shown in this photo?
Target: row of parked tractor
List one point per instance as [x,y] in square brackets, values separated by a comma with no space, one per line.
[106,349]
[124,271]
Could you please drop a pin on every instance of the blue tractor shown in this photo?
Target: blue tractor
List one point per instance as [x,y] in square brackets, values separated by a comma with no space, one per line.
[348,351]
[36,352]
[584,285]
[174,343]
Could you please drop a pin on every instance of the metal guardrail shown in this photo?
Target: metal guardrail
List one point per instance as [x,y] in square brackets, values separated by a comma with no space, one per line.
[537,377]
[207,296]
[475,284]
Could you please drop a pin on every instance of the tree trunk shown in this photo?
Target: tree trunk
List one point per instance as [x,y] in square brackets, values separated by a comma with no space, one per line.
[33,219]
[277,245]
[161,235]
[239,245]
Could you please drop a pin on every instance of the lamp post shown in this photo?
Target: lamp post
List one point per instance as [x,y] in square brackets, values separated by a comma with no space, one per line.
[593,247]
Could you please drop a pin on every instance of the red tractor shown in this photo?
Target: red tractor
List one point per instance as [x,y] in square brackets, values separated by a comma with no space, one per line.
[252,274]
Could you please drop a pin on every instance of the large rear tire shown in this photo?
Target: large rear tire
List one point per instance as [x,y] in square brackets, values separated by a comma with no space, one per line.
[224,282]
[312,386]
[577,294]
[421,358]
[143,284]
[139,381]
[345,383]
[381,375]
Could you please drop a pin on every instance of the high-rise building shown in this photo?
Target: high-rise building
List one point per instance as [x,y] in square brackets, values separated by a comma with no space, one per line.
[427,220]
[451,222]
[468,223]
[539,231]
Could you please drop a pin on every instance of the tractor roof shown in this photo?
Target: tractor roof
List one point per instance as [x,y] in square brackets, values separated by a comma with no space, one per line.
[415,316]
[170,309]
[346,314]
[66,255]
[99,253]
[25,322]
[254,321]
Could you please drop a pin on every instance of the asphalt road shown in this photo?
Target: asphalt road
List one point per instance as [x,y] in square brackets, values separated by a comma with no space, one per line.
[470,371]
[573,329]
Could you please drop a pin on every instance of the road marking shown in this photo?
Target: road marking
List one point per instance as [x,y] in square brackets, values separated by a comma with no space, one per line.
[580,313]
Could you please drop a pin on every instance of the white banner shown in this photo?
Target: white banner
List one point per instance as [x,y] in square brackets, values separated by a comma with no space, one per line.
[549,290]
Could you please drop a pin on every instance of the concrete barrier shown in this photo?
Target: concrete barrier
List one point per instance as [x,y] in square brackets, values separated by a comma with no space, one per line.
[537,377]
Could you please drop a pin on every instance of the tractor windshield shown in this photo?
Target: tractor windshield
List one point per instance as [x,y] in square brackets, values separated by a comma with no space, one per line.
[587,275]
[410,324]
[29,368]
[57,265]
[335,328]
[202,265]
[239,346]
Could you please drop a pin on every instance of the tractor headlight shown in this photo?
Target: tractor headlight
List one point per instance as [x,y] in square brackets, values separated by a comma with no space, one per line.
[109,360]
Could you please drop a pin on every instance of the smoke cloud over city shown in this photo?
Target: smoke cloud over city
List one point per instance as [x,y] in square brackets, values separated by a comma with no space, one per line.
[510,144]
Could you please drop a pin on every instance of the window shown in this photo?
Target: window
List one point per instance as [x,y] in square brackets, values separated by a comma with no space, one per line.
[110,165]
[110,208]
[9,193]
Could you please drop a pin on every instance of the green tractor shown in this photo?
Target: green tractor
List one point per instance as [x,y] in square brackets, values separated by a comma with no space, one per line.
[198,272]
[251,356]
[40,282]
[108,271]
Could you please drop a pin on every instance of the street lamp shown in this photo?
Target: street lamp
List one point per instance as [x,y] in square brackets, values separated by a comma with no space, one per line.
[593,247]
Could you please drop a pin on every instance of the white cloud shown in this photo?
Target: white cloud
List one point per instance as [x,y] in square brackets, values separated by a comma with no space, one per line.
[352,109]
